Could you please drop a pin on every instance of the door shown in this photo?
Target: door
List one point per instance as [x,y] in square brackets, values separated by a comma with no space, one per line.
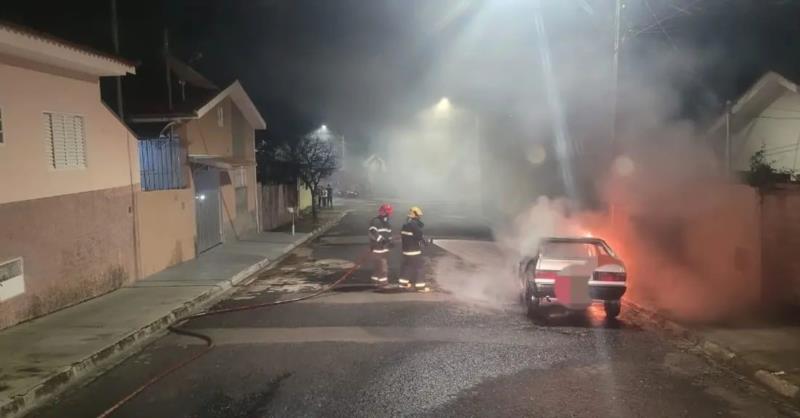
[206,184]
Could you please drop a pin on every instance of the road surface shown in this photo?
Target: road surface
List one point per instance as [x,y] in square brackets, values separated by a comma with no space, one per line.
[357,352]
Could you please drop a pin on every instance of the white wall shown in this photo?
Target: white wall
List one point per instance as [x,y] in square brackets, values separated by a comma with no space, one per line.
[778,129]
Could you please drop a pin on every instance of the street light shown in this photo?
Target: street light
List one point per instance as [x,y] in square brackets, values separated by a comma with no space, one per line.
[443,107]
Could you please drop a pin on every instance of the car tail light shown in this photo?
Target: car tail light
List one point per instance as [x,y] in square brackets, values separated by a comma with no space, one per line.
[606,276]
[545,274]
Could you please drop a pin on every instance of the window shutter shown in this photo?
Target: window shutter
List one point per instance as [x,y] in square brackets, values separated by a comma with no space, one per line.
[66,140]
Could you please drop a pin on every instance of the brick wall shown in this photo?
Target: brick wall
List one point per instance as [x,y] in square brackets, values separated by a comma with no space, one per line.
[780,226]
[74,247]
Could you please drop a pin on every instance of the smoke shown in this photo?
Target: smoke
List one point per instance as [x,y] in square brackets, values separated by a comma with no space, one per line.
[520,109]
[481,273]
[514,104]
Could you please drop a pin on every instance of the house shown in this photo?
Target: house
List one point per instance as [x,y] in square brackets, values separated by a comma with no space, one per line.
[767,115]
[68,177]
[214,134]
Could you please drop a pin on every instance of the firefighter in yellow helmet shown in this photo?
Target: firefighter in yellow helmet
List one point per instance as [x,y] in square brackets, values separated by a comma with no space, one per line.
[411,275]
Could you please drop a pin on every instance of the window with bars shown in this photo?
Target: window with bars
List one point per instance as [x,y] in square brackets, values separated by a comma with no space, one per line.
[66,141]
[161,161]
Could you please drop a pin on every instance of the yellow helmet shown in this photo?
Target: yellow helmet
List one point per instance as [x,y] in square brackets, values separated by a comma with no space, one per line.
[415,212]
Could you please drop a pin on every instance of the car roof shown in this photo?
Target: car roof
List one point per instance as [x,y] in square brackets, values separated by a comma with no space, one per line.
[579,240]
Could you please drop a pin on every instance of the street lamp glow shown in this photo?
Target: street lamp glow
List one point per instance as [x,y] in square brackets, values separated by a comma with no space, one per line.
[324,127]
[443,106]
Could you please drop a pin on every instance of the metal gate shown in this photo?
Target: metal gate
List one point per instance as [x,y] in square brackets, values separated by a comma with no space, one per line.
[206,184]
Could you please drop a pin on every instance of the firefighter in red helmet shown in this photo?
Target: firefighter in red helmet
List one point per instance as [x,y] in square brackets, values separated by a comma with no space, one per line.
[380,239]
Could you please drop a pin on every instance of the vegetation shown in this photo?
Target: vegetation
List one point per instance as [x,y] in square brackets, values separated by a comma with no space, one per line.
[307,159]
[762,174]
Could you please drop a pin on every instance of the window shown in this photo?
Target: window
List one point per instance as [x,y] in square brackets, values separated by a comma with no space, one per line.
[66,142]
[570,250]
[241,200]
[2,141]
[161,161]
[238,177]
[220,116]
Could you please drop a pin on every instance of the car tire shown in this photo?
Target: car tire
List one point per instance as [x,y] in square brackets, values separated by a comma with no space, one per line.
[612,308]
[532,303]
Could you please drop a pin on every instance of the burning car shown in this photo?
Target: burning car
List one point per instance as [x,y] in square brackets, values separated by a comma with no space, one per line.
[572,272]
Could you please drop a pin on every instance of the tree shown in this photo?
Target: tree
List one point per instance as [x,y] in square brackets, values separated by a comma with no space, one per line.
[274,165]
[308,159]
[315,160]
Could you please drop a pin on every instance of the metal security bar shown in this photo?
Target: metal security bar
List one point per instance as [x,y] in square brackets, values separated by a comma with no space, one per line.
[161,161]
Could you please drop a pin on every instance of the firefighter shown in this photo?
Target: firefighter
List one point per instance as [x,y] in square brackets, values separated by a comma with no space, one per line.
[413,241]
[380,239]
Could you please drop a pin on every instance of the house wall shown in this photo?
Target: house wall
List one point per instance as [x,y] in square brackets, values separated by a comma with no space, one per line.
[275,201]
[303,198]
[781,243]
[205,136]
[778,129]
[702,264]
[73,229]
[167,231]
[27,91]
[74,247]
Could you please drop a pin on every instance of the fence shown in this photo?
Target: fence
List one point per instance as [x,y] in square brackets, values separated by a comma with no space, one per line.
[275,201]
[161,161]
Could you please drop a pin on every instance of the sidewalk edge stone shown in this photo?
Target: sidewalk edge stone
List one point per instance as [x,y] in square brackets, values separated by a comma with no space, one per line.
[649,318]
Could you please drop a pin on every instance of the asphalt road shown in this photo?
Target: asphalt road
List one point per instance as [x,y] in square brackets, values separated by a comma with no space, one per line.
[357,352]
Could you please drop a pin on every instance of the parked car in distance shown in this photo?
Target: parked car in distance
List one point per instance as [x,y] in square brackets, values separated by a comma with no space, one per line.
[572,272]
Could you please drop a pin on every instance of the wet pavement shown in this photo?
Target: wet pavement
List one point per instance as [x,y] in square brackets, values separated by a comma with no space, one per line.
[361,352]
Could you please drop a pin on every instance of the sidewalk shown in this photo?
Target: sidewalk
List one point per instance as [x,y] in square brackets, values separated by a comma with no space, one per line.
[42,357]
[767,351]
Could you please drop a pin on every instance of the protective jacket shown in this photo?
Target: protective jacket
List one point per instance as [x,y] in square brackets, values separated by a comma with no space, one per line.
[380,234]
[412,237]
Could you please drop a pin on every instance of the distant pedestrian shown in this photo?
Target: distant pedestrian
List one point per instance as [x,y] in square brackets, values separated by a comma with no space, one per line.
[329,191]
[321,197]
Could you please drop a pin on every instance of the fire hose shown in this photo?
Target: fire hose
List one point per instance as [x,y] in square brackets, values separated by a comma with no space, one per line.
[176,329]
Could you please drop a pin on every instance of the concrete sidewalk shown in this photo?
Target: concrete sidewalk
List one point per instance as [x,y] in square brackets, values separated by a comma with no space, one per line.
[42,357]
[765,351]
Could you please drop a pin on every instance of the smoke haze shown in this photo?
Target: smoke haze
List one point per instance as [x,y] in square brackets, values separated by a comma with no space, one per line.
[653,190]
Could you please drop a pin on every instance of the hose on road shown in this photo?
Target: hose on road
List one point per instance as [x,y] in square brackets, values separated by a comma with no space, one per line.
[176,329]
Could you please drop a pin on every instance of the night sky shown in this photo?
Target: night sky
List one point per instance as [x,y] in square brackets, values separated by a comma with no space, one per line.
[347,63]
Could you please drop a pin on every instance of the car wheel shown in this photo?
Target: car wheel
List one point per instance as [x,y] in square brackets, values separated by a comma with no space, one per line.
[612,308]
[532,303]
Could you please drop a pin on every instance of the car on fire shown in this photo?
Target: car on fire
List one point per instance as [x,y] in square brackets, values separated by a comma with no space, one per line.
[572,272]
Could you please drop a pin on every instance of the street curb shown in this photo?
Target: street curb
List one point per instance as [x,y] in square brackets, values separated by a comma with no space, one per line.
[117,352]
[650,319]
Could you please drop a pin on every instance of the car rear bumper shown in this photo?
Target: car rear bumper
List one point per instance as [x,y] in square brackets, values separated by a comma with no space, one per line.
[606,290]
[599,291]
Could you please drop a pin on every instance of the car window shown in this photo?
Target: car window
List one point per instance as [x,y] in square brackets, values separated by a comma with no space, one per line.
[568,250]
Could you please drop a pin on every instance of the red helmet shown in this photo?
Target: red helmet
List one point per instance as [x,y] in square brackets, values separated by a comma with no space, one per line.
[385,210]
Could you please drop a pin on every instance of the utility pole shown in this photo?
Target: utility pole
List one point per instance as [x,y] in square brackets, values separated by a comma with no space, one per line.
[728,164]
[115,40]
[166,66]
[615,70]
